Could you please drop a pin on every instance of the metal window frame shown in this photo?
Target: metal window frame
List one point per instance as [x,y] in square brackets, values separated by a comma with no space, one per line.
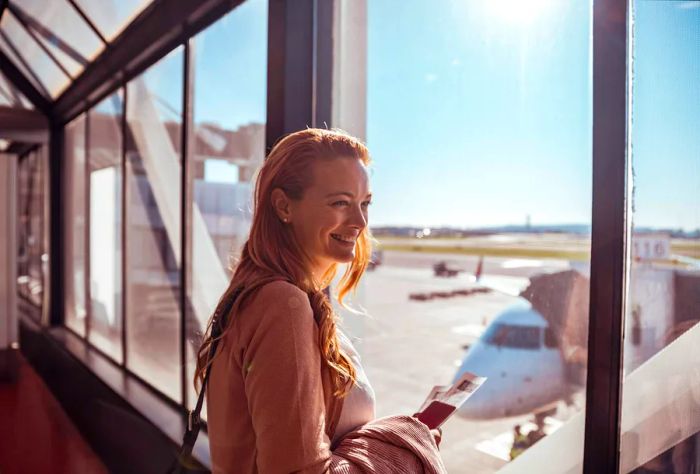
[186,200]
[125,167]
[609,237]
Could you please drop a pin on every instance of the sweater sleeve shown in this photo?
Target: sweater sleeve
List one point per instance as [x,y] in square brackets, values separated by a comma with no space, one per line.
[282,373]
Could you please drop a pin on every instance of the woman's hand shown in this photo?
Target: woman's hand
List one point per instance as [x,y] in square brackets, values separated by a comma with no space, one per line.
[437,435]
[437,432]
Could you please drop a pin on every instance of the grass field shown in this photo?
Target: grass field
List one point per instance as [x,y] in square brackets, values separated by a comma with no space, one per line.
[573,249]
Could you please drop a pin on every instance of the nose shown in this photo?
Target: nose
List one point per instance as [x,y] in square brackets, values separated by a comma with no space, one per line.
[358,219]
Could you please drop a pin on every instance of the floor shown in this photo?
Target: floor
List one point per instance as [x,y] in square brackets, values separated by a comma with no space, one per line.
[36,435]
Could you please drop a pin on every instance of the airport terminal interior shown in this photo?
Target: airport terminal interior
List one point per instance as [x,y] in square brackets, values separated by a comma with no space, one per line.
[536,217]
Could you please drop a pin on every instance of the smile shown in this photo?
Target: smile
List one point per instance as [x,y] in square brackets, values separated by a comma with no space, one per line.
[342,238]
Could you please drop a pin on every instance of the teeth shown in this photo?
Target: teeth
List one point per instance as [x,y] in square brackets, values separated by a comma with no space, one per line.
[343,238]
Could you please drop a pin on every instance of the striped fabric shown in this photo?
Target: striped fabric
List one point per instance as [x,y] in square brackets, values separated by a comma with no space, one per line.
[389,445]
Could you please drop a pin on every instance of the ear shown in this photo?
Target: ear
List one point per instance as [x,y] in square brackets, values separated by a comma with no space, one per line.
[282,205]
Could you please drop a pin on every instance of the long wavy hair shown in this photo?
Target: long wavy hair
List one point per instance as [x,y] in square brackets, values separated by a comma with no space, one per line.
[272,253]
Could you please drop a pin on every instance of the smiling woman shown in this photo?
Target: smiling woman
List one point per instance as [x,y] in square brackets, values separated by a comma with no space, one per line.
[332,213]
[286,385]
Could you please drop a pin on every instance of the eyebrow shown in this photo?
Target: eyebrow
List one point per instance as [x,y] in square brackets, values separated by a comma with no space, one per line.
[346,193]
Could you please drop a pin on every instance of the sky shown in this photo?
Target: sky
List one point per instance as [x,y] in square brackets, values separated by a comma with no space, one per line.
[479,113]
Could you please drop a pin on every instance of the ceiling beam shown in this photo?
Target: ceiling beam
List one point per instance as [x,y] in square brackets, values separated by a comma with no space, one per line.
[29,126]
[15,76]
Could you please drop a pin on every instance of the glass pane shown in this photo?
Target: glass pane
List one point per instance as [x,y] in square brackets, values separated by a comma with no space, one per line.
[63,31]
[51,76]
[105,196]
[229,144]
[32,257]
[76,231]
[9,49]
[479,123]
[154,118]
[11,97]
[112,16]
[661,402]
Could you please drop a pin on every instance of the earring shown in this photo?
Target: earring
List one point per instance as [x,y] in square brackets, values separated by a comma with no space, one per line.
[285,220]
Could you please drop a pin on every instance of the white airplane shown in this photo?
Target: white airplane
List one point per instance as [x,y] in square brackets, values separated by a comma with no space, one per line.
[523,363]
[522,358]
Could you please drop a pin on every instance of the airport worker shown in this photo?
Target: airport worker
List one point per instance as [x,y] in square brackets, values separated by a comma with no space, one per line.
[284,385]
[520,443]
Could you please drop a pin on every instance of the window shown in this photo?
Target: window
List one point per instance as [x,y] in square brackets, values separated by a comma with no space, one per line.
[229,145]
[76,226]
[479,123]
[105,227]
[32,256]
[515,337]
[125,204]
[112,16]
[660,403]
[153,224]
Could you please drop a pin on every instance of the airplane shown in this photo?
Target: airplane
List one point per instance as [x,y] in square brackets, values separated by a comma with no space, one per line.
[533,362]
[522,360]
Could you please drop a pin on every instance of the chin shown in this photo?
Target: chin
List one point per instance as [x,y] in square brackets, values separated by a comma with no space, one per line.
[342,258]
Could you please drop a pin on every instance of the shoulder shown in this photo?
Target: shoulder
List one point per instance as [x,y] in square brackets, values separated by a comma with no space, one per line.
[280,296]
[280,303]
[278,315]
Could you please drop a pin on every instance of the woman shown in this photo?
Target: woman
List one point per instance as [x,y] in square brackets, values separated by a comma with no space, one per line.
[286,385]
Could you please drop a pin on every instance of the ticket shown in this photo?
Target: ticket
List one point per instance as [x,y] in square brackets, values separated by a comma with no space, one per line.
[444,400]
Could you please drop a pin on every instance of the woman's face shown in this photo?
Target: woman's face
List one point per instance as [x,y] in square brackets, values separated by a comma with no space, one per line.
[332,213]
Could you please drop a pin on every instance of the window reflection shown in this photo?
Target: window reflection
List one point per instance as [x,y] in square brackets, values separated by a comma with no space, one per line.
[50,75]
[153,227]
[112,16]
[229,145]
[76,203]
[661,357]
[61,30]
[32,255]
[105,214]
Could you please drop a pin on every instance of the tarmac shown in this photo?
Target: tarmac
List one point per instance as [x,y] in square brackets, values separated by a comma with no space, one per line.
[409,346]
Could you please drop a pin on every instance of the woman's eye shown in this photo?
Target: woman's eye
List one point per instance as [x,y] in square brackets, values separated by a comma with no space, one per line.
[366,204]
[340,203]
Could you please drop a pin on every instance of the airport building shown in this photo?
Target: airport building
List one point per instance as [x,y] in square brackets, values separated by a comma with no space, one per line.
[130,136]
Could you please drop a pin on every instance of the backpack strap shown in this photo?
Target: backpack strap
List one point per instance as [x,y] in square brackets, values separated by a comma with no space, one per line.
[194,419]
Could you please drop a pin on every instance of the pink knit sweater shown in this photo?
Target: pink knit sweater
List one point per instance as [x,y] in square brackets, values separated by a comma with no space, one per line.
[270,407]
[394,444]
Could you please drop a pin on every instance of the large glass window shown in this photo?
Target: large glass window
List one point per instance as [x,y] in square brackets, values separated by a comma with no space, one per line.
[153,223]
[479,122]
[229,145]
[661,389]
[75,228]
[112,16]
[61,30]
[20,42]
[105,214]
[32,255]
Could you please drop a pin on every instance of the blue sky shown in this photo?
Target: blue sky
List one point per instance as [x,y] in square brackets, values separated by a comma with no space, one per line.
[479,113]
